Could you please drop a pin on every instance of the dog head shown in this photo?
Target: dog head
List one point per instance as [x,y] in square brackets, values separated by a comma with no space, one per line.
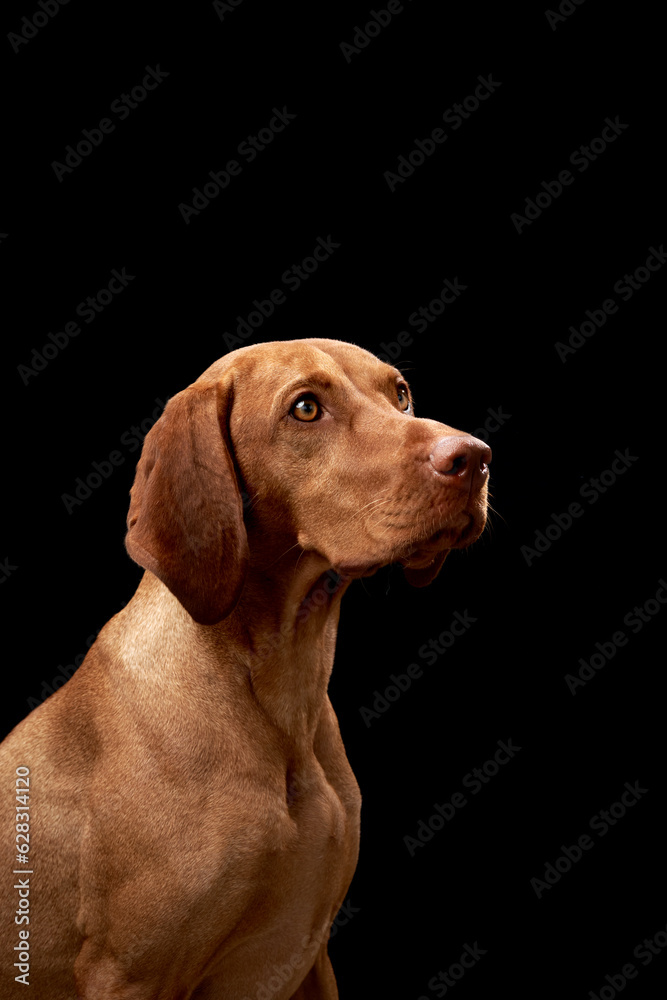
[301,446]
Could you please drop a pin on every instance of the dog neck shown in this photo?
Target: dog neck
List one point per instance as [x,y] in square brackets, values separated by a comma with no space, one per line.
[283,632]
[278,643]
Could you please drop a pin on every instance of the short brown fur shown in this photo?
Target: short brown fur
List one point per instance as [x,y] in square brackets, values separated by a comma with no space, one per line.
[194,819]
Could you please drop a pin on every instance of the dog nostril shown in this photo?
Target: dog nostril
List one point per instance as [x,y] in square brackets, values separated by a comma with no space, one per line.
[462,459]
[457,465]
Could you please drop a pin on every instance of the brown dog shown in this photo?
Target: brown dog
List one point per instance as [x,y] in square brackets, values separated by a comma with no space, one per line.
[192,816]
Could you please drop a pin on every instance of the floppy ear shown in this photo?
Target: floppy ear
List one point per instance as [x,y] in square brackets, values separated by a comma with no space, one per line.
[185,522]
[422,577]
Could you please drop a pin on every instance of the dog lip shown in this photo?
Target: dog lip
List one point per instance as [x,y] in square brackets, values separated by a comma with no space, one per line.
[347,570]
[416,561]
[453,538]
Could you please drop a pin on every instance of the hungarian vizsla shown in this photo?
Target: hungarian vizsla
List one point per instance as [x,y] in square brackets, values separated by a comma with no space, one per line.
[193,818]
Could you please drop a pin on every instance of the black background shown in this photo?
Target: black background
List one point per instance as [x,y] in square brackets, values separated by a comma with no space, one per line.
[67,573]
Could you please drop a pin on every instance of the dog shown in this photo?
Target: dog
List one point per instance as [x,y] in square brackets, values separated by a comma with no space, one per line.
[193,821]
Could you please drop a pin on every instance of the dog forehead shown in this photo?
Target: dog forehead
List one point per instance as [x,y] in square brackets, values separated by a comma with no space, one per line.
[276,363]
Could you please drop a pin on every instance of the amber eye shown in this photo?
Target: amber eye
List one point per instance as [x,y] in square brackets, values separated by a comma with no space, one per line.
[306,408]
[403,397]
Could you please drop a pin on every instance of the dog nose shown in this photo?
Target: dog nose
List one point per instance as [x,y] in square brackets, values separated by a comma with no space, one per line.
[463,459]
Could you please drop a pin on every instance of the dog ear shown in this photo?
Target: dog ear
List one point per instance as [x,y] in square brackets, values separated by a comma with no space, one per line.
[422,577]
[185,522]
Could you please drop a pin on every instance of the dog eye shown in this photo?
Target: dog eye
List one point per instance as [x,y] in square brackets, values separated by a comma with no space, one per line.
[306,408]
[403,398]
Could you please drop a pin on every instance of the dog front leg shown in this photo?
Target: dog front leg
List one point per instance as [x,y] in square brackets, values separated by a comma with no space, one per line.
[320,983]
[105,977]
